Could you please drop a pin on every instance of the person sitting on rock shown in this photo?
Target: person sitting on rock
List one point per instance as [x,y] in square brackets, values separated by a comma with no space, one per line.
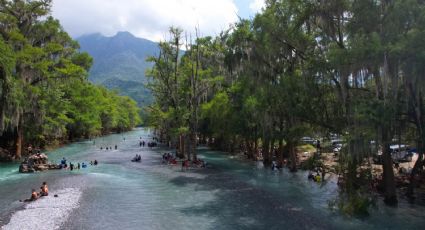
[44,189]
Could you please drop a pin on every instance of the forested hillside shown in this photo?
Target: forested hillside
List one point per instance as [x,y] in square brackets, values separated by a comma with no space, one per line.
[120,63]
[45,96]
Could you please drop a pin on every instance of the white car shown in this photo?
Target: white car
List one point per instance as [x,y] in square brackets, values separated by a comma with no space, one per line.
[337,147]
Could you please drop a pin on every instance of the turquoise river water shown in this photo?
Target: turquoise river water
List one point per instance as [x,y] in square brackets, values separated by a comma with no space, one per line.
[229,194]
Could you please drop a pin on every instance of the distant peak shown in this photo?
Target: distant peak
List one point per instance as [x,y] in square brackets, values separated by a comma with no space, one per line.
[124,34]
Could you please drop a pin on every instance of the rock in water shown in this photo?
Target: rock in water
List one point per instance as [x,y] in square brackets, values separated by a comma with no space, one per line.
[35,163]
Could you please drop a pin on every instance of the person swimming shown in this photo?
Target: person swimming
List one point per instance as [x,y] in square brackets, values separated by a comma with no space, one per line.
[310,176]
[137,158]
[34,196]
[317,178]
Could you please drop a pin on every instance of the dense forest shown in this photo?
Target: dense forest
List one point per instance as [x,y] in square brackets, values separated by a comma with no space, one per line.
[45,97]
[300,68]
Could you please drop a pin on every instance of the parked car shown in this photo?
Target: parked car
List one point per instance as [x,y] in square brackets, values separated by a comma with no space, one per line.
[308,140]
[399,153]
[337,145]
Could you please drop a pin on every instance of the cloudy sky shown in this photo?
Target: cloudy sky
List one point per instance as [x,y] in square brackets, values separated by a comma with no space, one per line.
[150,18]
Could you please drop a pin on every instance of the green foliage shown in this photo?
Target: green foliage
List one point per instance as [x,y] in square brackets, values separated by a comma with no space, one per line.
[44,92]
[303,68]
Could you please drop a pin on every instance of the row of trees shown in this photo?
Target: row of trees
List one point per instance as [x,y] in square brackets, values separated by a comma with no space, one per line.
[44,92]
[299,68]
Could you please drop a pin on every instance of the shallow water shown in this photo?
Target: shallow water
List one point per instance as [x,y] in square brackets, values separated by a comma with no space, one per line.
[119,194]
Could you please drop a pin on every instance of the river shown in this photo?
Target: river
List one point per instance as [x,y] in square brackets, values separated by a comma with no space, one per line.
[229,194]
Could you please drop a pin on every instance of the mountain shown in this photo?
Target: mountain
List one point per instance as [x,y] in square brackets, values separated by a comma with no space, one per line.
[120,63]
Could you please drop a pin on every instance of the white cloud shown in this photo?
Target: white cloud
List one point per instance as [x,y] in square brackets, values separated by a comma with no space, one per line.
[144,18]
[257,5]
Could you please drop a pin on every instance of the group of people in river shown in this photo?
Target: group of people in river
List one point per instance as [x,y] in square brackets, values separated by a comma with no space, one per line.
[168,158]
[109,148]
[152,144]
[315,178]
[142,143]
[71,166]
[44,191]
[171,159]
[194,163]
[137,158]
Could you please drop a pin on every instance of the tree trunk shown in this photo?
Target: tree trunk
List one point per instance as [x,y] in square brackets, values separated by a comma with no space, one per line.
[255,144]
[386,135]
[187,146]
[280,151]
[19,142]
[418,109]
[249,148]
[181,146]
[193,143]
[388,177]
[292,156]
[266,152]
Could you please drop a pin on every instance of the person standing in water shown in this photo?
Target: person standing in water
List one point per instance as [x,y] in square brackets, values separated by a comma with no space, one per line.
[78,166]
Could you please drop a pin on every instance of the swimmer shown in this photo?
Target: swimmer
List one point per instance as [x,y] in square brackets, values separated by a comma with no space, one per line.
[34,196]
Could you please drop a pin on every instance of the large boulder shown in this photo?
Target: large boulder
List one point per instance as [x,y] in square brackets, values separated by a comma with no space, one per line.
[24,168]
[35,163]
